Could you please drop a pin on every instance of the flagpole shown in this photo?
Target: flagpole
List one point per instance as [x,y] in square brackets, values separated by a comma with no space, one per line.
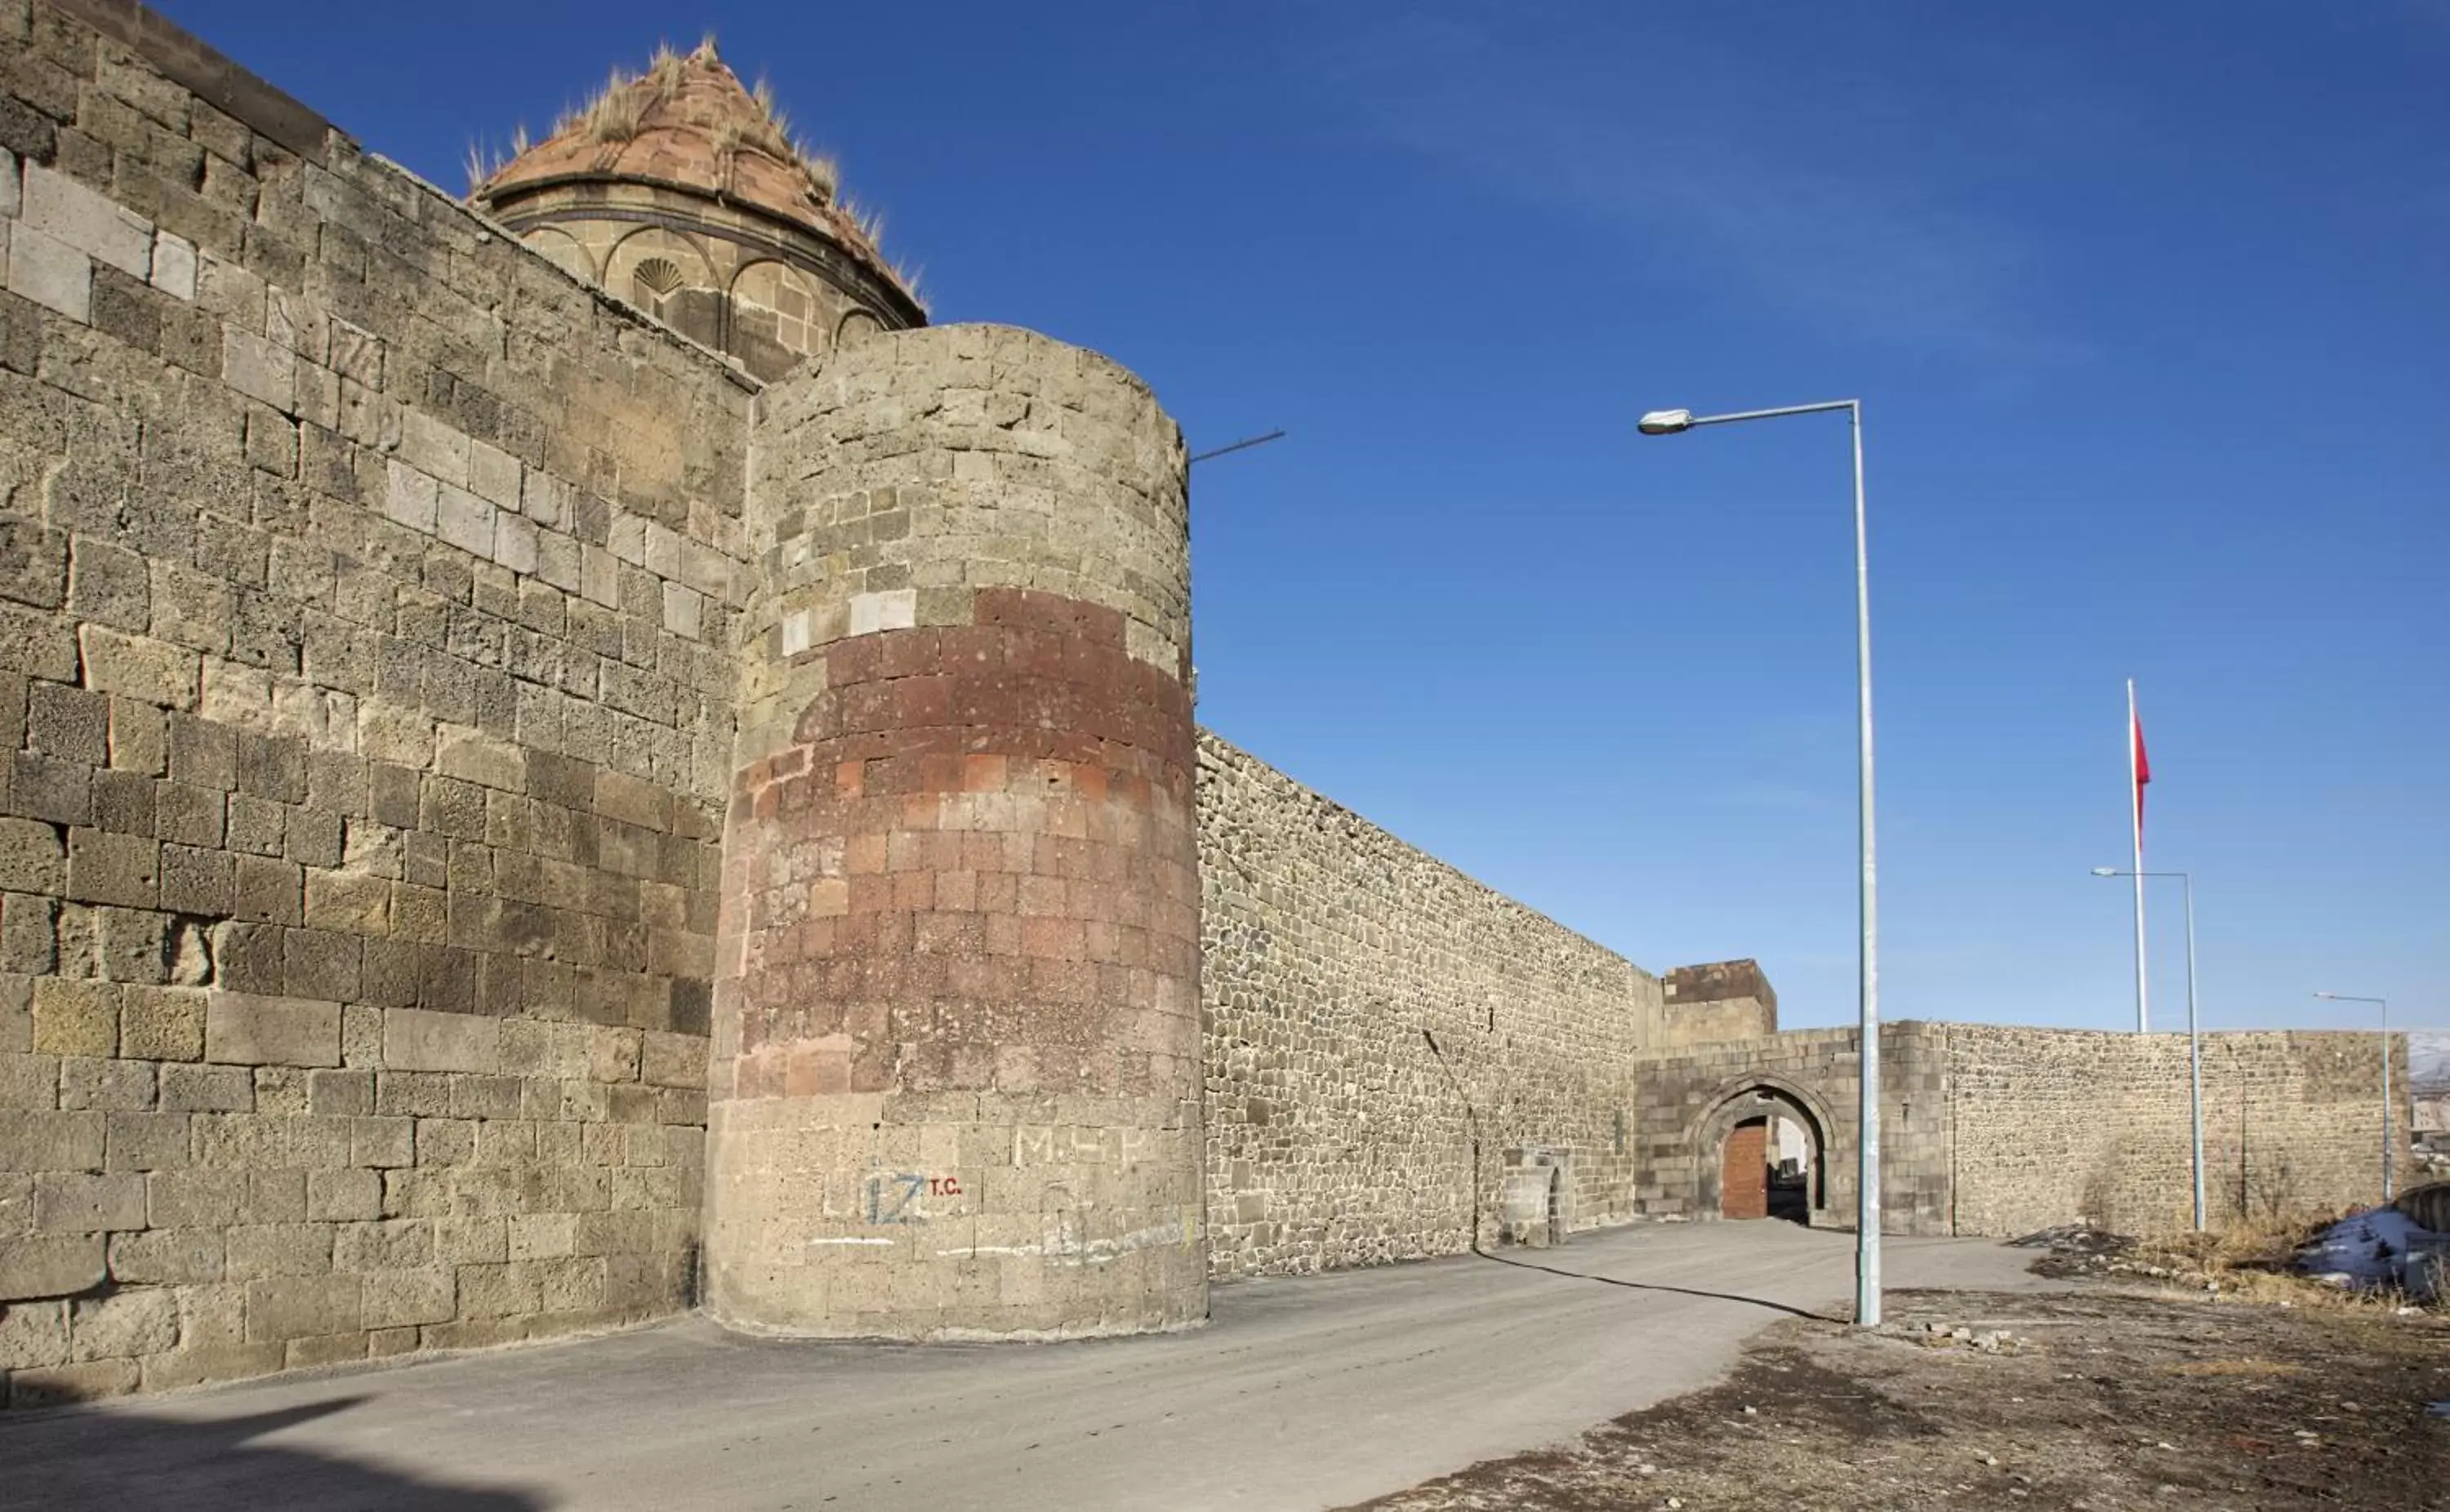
[2135,813]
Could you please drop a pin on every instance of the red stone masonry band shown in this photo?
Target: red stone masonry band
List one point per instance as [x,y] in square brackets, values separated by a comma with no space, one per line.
[980,804]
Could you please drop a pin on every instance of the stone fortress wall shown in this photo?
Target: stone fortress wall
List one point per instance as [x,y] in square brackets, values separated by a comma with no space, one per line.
[366,593]
[1388,1038]
[434,758]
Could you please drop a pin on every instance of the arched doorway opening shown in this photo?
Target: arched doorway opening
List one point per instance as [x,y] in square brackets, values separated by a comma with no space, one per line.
[1535,1204]
[1765,1156]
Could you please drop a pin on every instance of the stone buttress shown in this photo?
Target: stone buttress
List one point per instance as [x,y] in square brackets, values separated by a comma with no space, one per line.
[956,1058]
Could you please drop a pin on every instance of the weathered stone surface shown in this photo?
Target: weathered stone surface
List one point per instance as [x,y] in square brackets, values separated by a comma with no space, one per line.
[123,1324]
[1372,1011]
[247,1030]
[417,1041]
[89,221]
[49,1265]
[152,671]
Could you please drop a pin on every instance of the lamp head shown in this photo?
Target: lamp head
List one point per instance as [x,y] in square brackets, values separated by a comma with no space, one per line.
[1666,422]
[2330,996]
[2104,871]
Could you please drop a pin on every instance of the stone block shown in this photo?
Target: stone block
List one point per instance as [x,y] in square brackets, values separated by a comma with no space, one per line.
[340,1093]
[167,1257]
[110,584]
[139,738]
[37,1140]
[32,857]
[323,1349]
[410,497]
[81,1202]
[268,891]
[49,1265]
[30,1083]
[88,219]
[246,1030]
[134,944]
[106,868]
[515,542]
[195,1198]
[319,964]
[73,724]
[350,1194]
[57,1385]
[384,1142]
[260,1249]
[542,1236]
[145,1142]
[73,1017]
[672,1061]
[260,369]
[465,521]
[207,1089]
[199,881]
[684,610]
[301,1307]
[200,1363]
[471,756]
[50,273]
[152,671]
[36,643]
[105,1085]
[33,1335]
[143,1321]
[394,1244]
[400,1298]
[174,265]
[499,1290]
[417,1039]
[122,803]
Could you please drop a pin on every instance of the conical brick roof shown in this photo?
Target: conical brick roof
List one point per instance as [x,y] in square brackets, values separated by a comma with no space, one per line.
[688,123]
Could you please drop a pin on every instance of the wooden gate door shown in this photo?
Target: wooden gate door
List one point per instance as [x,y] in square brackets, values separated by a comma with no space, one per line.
[1743,1171]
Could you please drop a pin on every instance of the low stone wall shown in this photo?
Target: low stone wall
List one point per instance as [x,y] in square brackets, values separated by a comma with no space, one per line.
[2053,1125]
[1374,1018]
[1997,1131]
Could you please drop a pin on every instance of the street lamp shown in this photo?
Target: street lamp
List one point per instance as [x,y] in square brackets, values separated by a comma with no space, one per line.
[2194,1023]
[2382,1004]
[1867,1196]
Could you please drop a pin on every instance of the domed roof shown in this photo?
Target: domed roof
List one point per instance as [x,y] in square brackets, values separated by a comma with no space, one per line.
[688,123]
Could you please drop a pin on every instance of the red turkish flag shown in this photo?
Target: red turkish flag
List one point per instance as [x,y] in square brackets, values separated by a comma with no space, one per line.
[2143,768]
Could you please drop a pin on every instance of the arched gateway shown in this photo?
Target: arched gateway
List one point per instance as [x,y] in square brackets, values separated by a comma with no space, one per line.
[1760,1151]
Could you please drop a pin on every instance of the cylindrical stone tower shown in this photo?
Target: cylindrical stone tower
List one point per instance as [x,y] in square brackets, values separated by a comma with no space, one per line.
[956,1076]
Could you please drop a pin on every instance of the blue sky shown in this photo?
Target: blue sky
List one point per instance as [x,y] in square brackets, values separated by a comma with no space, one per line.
[2145,304]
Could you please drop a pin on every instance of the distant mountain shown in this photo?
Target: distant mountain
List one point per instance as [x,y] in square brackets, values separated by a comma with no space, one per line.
[2428,1062]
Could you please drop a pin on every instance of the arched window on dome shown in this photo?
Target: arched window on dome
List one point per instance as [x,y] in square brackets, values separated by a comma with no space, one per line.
[652,281]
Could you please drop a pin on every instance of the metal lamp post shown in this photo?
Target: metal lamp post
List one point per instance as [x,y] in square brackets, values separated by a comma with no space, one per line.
[1867,1209]
[2382,1004]
[2194,1023]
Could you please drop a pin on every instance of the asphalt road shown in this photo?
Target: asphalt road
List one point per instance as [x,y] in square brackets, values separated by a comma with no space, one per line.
[1304,1392]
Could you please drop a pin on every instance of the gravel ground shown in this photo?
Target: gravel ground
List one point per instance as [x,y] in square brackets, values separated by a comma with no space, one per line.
[2098,1399]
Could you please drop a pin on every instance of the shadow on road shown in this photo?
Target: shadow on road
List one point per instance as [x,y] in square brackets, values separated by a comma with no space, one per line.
[128,1460]
[1647,1285]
